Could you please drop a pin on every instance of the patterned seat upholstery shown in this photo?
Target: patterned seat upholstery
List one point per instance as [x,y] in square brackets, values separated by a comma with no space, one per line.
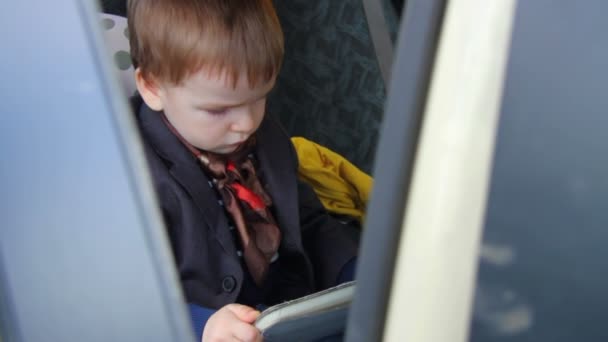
[330,89]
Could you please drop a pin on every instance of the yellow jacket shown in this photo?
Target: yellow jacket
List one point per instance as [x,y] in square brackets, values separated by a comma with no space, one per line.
[341,186]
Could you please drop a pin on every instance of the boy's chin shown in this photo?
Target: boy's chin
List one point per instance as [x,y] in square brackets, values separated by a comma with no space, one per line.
[226,149]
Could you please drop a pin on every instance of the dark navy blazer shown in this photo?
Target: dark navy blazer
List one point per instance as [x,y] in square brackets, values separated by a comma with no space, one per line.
[314,246]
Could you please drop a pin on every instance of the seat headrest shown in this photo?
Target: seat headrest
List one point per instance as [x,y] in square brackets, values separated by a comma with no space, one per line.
[116,36]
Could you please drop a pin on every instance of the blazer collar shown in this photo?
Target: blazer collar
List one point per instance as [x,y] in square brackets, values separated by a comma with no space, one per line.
[186,170]
[278,169]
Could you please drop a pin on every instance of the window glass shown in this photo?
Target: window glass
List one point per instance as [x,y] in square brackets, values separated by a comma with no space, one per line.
[543,258]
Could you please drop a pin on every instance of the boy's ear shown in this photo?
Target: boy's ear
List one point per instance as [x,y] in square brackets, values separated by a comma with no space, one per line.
[149,91]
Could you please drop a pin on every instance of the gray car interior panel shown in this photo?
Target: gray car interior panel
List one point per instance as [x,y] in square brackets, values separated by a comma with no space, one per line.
[410,78]
[543,261]
[83,253]
[381,38]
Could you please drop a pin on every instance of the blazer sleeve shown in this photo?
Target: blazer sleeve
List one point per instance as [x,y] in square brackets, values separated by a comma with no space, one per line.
[199,316]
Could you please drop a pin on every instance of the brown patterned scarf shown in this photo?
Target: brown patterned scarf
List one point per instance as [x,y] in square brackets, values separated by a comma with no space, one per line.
[246,202]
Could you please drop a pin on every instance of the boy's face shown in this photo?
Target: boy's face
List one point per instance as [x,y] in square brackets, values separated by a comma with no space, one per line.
[208,111]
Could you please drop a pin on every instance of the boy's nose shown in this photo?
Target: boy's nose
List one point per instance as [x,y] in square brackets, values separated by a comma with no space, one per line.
[245,122]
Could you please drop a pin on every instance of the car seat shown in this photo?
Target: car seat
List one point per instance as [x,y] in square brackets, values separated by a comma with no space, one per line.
[330,89]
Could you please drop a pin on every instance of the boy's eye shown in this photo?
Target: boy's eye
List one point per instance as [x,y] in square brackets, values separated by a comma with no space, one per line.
[216,111]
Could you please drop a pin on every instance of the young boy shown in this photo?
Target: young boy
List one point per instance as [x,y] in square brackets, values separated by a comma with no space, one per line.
[243,229]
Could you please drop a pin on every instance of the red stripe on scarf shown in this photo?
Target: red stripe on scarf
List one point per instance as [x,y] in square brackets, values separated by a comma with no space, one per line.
[246,195]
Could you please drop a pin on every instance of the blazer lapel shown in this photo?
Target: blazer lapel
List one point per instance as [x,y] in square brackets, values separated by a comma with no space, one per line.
[278,171]
[187,172]
[196,184]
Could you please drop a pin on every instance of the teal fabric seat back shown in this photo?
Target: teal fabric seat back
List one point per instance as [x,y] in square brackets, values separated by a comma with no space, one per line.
[330,89]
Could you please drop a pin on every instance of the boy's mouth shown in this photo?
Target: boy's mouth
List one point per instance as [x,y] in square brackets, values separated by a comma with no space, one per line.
[238,143]
[235,145]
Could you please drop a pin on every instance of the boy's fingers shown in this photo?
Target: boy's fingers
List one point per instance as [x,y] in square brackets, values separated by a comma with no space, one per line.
[246,333]
[243,312]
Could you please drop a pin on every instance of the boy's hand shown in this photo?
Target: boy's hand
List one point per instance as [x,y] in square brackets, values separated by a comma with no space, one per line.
[233,322]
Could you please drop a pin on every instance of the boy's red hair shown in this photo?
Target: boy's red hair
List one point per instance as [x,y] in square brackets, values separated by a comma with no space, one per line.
[171,39]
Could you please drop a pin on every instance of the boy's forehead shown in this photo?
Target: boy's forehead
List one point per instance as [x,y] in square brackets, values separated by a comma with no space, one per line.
[225,78]
[209,82]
